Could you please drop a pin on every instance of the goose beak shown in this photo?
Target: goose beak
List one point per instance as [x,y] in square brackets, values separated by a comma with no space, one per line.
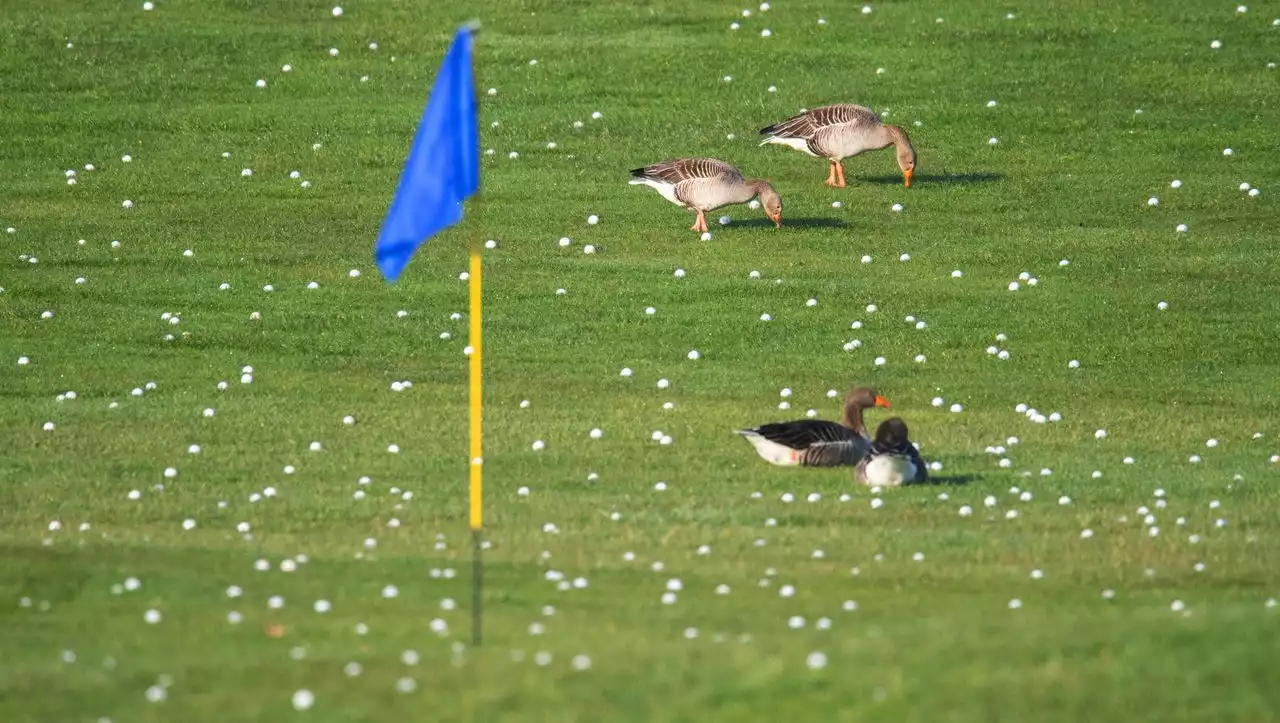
[906,177]
[882,402]
[777,221]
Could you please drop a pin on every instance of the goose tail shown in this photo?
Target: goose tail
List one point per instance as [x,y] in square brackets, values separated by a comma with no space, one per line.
[770,451]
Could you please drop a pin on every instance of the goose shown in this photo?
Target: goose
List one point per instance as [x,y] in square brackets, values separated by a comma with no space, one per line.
[705,184]
[817,442]
[839,131]
[892,459]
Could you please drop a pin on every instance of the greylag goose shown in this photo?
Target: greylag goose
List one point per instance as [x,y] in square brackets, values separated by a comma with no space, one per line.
[705,184]
[836,132]
[892,459]
[817,442]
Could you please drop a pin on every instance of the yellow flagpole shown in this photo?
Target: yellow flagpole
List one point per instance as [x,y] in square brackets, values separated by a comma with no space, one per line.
[477,459]
[476,408]
[477,452]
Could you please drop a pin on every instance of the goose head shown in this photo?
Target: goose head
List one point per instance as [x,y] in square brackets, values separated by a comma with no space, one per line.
[907,162]
[892,434]
[905,151]
[857,400]
[865,397]
[771,202]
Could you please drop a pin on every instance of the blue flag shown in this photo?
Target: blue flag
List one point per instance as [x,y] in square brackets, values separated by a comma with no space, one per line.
[443,167]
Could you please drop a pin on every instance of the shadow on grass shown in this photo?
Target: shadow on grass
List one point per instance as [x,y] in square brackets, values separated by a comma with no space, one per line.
[954,179]
[796,222]
[953,479]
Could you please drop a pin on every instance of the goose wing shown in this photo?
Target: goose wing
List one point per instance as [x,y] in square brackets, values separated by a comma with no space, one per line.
[836,453]
[922,472]
[808,124]
[803,433]
[678,170]
[819,443]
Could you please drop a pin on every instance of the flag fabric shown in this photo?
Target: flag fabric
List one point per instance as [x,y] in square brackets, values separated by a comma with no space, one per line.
[443,167]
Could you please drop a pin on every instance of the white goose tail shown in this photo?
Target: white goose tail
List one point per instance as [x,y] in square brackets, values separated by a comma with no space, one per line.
[666,190]
[769,451]
[799,144]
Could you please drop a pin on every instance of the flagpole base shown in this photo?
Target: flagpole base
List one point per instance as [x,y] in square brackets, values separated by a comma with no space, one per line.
[477,587]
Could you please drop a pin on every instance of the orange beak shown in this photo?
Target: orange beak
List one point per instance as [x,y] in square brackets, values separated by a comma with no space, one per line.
[777,220]
[882,402]
[906,176]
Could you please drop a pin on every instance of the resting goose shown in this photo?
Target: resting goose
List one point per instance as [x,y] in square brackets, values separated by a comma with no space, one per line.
[892,459]
[705,184]
[816,442]
[840,131]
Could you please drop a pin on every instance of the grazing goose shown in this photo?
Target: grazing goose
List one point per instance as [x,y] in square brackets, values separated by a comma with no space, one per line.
[892,459]
[836,132]
[705,184]
[816,442]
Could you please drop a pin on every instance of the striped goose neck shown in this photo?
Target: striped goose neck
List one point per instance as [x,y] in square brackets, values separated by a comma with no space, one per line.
[902,144]
[757,188]
[896,135]
[853,417]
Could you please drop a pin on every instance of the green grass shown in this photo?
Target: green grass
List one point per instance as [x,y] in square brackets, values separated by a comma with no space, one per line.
[931,640]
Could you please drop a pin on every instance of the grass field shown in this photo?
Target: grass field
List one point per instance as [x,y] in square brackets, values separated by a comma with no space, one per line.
[1099,106]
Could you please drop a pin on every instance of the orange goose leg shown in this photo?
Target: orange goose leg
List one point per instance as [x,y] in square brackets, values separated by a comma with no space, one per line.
[831,177]
[701,223]
[840,174]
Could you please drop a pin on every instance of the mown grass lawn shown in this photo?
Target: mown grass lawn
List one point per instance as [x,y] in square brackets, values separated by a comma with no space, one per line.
[1077,586]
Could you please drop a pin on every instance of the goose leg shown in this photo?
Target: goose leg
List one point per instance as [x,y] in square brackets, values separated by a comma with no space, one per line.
[831,177]
[701,223]
[840,174]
